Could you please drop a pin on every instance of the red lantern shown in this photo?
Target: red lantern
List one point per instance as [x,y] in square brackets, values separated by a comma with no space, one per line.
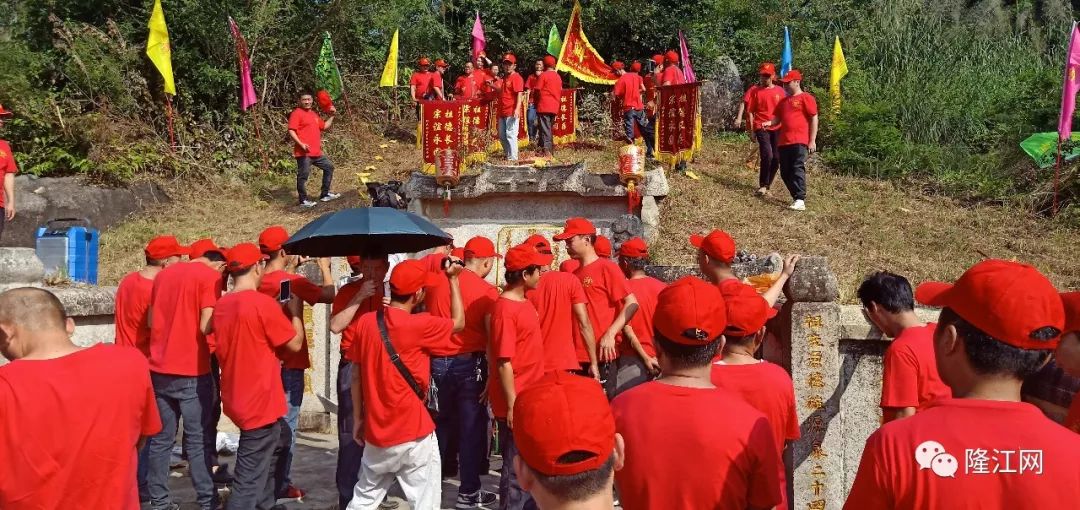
[631,173]
[447,168]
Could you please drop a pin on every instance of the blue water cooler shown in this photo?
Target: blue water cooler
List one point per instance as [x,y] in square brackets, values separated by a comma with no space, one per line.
[69,245]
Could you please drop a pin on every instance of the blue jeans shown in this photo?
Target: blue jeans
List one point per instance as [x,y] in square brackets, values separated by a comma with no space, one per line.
[191,398]
[461,379]
[303,171]
[631,117]
[511,495]
[531,122]
[140,474]
[292,379]
[508,136]
[350,454]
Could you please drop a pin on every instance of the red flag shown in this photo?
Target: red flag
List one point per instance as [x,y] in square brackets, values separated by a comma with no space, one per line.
[564,129]
[579,58]
[677,122]
[247,88]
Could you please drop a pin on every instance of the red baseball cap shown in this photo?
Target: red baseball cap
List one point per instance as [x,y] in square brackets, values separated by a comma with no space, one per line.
[634,248]
[163,247]
[792,75]
[549,61]
[509,57]
[480,247]
[458,252]
[569,266]
[410,276]
[671,57]
[767,68]
[5,113]
[603,247]
[202,247]
[658,59]
[635,66]
[1007,300]
[440,63]
[559,414]
[353,260]
[618,66]
[522,256]
[576,227]
[243,256]
[747,311]
[543,247]
[717,245]
[424,62]
[271,239]
[1071,301]
[690,311]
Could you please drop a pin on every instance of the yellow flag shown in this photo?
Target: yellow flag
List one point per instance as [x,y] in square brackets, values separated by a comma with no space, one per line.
[839,70]
[389,72]
[157,47]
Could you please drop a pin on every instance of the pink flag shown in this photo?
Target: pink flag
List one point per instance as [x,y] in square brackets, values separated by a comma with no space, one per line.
[688,70]
[1070,86]
[478,40]
[247,88]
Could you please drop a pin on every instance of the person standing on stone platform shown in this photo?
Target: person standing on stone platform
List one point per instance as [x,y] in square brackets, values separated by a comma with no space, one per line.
[690,444]
[672,74]
[760,104]
[983,448]
[437,79]
[910,377]
[511,98]
[517,362]
[1067,355]
[549,86]
[797,117]
[715,255]
[305,130]
[420,83]
[637,361]
[71,418]
[628,91]
[251,330]
[765,386]
[560,301]
[8,169]
[530,85]
[611,305]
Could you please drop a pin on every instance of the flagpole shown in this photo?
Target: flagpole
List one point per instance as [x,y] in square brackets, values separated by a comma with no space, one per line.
[1057,171]
[169,122]
[259,140]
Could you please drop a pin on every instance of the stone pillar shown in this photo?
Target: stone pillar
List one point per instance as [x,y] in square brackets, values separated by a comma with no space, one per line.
[812,319]
[20,267]
[320,393]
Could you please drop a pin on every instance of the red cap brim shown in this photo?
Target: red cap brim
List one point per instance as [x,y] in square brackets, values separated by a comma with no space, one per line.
[697,240]
[933,294]
[563,236]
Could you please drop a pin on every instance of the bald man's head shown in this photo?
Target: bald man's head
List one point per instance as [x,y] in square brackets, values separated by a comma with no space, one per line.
[31,309]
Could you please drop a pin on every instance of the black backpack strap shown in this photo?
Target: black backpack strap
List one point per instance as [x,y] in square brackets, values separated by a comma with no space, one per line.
[395,358]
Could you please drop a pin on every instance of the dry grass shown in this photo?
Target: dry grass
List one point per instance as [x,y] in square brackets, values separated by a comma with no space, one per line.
[862,225]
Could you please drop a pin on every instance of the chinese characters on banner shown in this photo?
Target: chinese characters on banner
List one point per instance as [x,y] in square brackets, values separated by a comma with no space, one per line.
[564,129]
[455,125]
[477,117]
[678,126]
[814,401]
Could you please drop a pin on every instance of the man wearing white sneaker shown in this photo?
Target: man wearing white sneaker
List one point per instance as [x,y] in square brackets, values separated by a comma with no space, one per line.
[797,116]
[305,130]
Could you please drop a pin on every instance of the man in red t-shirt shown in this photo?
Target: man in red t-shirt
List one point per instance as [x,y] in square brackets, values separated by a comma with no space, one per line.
[251,328]
[532,122]
[181,304]
[984,448]
[673,74]
[797,117]
[560,301]
[508,108]
[637,356]
[420,83]
[1067,355]
[467,86]
[690,444]
[760,104]
[910,378]
[305,130]
[517,361]
[611,306]
[765,386]
[8,169]
[71,418]
[281,267]
[437,79]
[549,88]
[628,90]
[354,299]
[716,253]
[459,370]
[390,417]
[568,450]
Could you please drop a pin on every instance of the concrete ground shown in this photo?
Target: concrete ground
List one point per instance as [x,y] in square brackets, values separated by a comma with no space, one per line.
[313,471]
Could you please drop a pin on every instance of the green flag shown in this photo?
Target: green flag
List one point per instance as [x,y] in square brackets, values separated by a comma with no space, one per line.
[327,74]
[1042,147]
[554,45]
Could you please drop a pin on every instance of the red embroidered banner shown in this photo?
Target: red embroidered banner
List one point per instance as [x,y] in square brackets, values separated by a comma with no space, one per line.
[441,127]
[579,58]
[564,129]
[477,119]
[677,122]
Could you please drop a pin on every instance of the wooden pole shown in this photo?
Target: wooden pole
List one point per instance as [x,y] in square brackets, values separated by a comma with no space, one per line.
[169,122]
[1057,173]
[259,140]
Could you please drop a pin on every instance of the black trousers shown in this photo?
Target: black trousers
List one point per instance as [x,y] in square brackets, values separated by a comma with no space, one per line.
[3,216]
[543,137]
[770,155]
[303,170]
[253,481]
[793,169]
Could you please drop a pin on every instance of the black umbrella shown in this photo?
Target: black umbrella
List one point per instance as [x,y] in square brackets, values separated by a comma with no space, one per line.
[366,230]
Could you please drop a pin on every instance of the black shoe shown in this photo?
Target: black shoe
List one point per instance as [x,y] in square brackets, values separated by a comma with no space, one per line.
[475,500]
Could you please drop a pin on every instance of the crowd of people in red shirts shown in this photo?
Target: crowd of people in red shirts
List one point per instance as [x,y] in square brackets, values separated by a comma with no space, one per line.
[605,385]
